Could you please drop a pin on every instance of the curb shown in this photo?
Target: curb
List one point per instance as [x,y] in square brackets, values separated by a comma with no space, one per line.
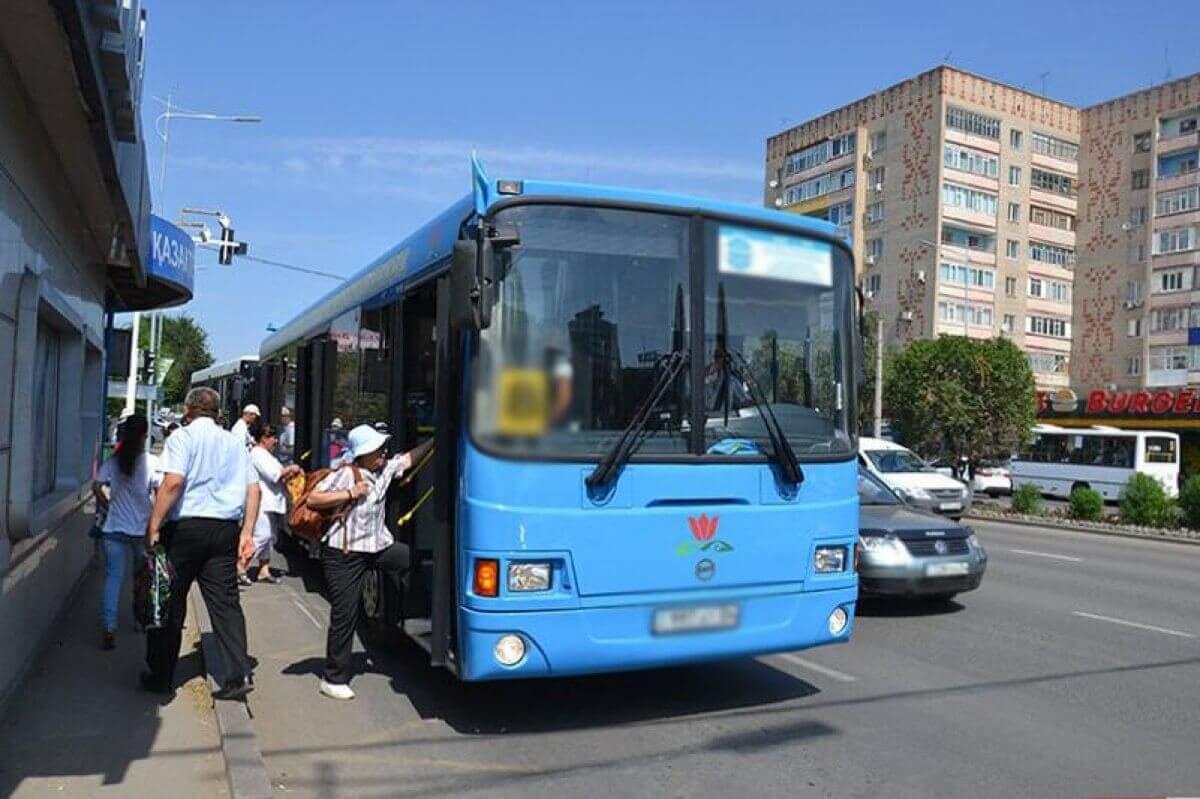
[245,771]
[1082,527]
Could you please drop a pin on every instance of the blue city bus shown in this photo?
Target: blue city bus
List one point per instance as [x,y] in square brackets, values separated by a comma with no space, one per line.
[644,413]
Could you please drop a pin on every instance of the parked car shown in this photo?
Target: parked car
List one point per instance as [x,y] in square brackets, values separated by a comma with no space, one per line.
[993,478]
[906,551]
[912,478]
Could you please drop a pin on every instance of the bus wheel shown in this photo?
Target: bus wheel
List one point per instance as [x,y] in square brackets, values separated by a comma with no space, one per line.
[1076,486]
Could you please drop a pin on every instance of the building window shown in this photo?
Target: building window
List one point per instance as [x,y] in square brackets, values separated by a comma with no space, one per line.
[1134,367]
[1048,326]
[1035,287]
[970,199]
[1137,215]
[817,154]
[1175,202]
[47,362]
[1051,254]
[1014,212]
[971,122]
[1133,293]
[875,212]
[1141,179]
[878,141]
[1171,280]
[873,284]
[877,177]
[1133,328]
[1053,182]
[841,214]
[964,159]
[1166,319]
[1014,139]
[977,315]
[1010,286]
[1058,292]
[1179,126]
[1171,358]
[1141,142]
[1047,362]
[968,275]
[968,238]
[875,249]
[1054,147]
[1176,164]
[1176,239]
[1048,217]
[1012,248]
[819,186]
[1137,253]
[1014,176]
[1008,324]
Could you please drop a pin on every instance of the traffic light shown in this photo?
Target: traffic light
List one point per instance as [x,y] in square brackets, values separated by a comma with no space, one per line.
[227,246]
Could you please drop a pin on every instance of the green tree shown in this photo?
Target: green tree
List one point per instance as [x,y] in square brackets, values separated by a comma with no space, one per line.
[185,343]
[961,397]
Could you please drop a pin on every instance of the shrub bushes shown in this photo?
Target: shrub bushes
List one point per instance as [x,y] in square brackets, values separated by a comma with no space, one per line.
[1189,501]
[1145,503]
[1027,499]
[1087,505]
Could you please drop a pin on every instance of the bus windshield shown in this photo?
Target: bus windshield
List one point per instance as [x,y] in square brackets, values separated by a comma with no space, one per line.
[593,302]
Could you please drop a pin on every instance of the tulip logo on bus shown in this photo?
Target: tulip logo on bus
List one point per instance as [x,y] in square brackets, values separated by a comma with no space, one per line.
[704,535]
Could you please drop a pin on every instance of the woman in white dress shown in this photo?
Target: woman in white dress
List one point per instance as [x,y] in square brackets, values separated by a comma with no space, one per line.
[272,479]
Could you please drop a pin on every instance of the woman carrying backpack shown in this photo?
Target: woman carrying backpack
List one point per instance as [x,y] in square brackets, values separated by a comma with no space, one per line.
[123,486]
[357,540]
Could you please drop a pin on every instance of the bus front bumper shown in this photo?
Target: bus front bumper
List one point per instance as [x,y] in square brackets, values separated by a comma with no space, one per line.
[618,638]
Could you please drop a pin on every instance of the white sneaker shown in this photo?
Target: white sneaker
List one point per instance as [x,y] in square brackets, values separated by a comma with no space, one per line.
[335,691]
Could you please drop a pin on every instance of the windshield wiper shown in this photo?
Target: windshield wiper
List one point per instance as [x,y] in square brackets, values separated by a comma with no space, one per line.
[624,446]
[789,465]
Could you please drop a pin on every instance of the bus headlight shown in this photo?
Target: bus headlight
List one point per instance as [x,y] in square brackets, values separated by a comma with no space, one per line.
[529,577]
[509,649]
[828,560]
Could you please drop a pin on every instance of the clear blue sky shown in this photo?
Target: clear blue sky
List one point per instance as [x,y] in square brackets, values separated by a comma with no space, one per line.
[371,109]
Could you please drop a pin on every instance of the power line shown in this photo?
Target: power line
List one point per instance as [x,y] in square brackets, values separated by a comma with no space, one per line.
[293,267]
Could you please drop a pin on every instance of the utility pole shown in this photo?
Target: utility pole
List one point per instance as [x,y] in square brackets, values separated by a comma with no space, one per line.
[877,425]
[132,381]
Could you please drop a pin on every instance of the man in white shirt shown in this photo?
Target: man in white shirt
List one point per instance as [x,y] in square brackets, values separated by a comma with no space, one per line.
[287,436]
[241,428]
[204,515]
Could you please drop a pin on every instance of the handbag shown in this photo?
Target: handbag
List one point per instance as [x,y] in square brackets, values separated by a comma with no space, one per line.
[152,589]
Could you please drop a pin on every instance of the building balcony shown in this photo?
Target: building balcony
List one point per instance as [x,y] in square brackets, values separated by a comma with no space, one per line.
[1178,181]
[1047,343]
[1068,203]
[1051,380]
[1188,141]
[1052,235]
[977,219]
[1178,219]
[838,162]
[1054,164]
[969,140]
[1176,259]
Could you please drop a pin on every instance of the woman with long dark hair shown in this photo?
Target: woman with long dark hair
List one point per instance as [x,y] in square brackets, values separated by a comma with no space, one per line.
[123,485]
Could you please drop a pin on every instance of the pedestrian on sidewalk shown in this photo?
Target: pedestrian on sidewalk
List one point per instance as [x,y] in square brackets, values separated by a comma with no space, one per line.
[358,541]
[287,437]
[241,428]
[123,488]
[204,515]
[272,477]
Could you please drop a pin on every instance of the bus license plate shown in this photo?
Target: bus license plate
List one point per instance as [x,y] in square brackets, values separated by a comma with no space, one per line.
[946,570]
[950,506]
[686,620]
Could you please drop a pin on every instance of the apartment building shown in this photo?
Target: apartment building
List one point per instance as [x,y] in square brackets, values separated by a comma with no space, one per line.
[1138,297]
[960,196]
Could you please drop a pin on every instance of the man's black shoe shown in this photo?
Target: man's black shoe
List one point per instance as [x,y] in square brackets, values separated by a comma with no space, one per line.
[152,684]
[235,688]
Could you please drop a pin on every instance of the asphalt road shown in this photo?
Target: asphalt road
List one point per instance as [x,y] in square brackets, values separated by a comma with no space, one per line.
[1073,671]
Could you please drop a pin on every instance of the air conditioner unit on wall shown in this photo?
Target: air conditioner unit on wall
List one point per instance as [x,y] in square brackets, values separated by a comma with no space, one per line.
[920,274]
[878,187]
[870,260]
[906,316]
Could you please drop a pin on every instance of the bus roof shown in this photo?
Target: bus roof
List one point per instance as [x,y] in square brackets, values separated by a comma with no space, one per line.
[383,280]
[223,368]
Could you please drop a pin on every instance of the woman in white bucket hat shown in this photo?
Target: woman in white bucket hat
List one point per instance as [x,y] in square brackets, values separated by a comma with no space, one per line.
[358,541]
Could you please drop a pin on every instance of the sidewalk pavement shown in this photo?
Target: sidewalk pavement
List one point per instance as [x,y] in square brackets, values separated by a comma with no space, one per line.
[81,727]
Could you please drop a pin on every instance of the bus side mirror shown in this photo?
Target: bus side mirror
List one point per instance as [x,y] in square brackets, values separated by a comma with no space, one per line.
[464,286]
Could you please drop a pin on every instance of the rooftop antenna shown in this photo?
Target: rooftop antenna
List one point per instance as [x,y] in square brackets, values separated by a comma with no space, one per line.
[1043,76]
[1167,62]
[946,57]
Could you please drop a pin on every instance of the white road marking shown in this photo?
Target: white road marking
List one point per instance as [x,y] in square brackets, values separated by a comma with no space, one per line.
[307,613]
[832,674]
[1140,626]
[1046,555]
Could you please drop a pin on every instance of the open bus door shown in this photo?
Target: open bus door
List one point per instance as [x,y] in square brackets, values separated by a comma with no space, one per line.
[447,395]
